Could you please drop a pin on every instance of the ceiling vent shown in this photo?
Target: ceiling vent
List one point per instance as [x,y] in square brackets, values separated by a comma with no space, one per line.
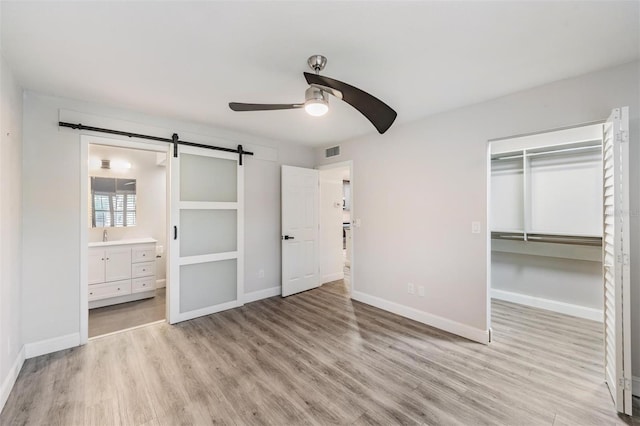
[334,151]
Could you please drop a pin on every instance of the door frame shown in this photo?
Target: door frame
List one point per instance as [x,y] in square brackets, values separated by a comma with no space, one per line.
[341,164]
[85,141]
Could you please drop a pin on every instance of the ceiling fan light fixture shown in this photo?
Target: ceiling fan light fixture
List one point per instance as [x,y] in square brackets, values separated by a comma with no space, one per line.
[316,103]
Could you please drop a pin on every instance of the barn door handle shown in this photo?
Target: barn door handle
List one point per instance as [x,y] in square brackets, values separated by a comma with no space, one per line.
[175,232]
[286,237]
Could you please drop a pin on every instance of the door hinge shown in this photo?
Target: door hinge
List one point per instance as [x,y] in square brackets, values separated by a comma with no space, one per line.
[622,136]
[627,385]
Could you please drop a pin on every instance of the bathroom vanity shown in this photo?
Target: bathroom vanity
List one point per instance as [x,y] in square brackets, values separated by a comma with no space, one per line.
[121,271]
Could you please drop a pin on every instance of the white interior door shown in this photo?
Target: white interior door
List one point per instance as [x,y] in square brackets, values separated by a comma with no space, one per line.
[207,223]
[300,194]
[616,268]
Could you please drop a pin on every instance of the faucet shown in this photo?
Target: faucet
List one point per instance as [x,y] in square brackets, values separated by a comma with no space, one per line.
[105,237]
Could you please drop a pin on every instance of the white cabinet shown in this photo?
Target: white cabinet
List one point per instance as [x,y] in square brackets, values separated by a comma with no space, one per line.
[119,273]
[109,264]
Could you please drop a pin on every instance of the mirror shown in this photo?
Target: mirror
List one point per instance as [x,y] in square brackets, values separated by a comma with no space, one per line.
[112,202]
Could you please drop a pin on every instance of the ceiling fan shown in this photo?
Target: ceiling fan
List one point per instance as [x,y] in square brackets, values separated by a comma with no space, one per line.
[317,102]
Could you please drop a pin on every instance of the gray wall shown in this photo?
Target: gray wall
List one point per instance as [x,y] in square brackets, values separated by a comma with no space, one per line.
[51,176]
[10,224]
[418,187]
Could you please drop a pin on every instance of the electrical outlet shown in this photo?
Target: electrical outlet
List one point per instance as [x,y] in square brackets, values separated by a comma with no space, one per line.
[411,289]
[475,227]
[421,290]
[261,273]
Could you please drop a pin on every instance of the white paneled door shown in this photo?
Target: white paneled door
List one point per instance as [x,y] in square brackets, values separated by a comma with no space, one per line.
[300,198]
[207,233]
[616,259]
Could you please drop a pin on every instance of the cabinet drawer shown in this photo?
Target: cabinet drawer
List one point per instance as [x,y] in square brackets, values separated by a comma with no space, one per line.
[143,269]
[143,253]
[114,289]
[143,284]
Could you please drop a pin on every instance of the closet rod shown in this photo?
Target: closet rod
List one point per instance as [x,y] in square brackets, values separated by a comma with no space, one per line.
[547,238]
[174,139]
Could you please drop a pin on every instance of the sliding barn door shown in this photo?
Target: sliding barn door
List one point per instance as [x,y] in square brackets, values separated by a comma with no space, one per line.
[300,211]
[615,249]
[206,267]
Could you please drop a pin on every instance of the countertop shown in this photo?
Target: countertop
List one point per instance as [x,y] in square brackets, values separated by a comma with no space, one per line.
[123,242]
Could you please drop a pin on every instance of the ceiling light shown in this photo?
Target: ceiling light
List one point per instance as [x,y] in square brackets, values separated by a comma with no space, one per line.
[316,103]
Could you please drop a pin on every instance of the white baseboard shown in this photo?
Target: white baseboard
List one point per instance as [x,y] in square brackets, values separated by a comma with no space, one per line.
[10,380]
[466,331]
[635,386]
[55,344]
[332,277]
[262,294]
[548,304]
[161,283]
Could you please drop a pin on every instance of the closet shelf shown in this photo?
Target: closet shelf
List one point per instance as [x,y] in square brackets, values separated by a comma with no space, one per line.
[548,238]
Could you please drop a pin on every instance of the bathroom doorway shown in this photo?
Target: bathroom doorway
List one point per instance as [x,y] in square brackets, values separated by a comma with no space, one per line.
[124,208]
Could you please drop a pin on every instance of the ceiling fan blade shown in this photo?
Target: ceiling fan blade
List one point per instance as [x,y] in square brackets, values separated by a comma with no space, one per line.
[377,112]
[237,106]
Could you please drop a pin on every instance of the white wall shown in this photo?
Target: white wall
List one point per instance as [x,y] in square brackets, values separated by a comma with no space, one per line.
[331,217]
[421,185]
[569,281]
[51,176]
[11,355]
[151,187]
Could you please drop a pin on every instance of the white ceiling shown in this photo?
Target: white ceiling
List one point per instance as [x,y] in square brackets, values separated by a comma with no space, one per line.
[187,60]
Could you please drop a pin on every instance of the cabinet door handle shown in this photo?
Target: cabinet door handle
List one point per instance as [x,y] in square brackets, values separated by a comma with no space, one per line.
[107,258]
[91,294]
[102,258]
[144,254]
[118,288]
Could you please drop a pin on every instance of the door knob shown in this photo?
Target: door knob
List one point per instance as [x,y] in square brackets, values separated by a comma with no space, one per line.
[286,237]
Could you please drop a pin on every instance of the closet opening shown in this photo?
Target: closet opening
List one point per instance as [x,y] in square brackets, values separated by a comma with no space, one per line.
[336,213]
[126,235]
[546,269]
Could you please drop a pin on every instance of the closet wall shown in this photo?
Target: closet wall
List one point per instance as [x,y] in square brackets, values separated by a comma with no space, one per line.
[546,221]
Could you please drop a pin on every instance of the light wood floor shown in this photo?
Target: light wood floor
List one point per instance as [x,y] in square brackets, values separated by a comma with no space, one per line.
[319,358]
[126,315]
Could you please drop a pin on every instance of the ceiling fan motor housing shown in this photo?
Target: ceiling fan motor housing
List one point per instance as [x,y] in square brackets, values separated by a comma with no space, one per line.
[317,62]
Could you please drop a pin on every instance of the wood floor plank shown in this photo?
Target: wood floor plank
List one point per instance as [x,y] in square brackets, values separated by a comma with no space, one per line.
[320,358]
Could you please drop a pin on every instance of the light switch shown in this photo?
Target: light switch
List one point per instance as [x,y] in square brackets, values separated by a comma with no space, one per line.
[475,227]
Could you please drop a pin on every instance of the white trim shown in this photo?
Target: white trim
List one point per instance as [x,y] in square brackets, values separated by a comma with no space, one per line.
[203,258]
[208,310]
[128,329]
[466,331]
[636,386]
[262,294]
[54,344]
[84,239]
[332,277]
[350,282]
[209,205]
[11,378]
[161,283]
[548,304]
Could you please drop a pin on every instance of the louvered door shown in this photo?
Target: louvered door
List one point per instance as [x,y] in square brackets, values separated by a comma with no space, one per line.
[615,249]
